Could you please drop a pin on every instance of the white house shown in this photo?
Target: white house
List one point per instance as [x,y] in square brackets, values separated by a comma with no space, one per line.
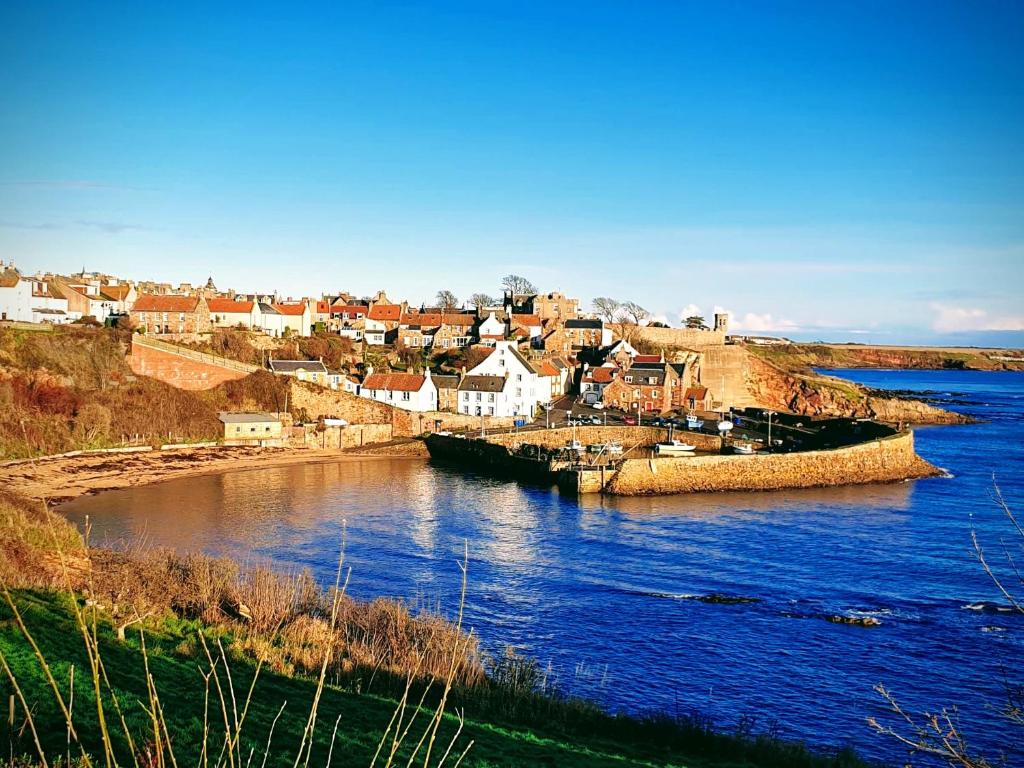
[380,319]
[485,396]
[229,313]
[30,300]
[297,318]
[15,297]
[523,392]
[595,380]
[408,391]
[491,328]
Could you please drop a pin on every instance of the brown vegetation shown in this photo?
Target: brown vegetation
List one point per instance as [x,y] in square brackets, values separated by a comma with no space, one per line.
[71,389]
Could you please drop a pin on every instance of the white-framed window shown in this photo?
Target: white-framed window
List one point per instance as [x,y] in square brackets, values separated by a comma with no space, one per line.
[629,379]
[490,397]
[479,397]
[405,396]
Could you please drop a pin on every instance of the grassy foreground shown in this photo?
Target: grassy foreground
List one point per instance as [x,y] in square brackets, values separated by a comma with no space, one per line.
[175,661]
[165,661]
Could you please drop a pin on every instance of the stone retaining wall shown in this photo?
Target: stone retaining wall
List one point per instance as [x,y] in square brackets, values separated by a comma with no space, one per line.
[885,460]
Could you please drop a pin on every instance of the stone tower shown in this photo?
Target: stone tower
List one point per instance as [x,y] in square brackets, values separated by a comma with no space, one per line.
[722,322]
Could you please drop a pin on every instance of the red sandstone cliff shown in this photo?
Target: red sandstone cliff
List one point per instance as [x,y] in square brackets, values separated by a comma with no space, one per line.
[815,395]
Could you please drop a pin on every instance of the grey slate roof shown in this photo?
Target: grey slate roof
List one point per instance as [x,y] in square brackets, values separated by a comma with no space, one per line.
[482,384]
[584,323]
[291,366]
[246,418]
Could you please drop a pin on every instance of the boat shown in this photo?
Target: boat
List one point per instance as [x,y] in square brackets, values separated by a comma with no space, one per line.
[615,447]
[674,448]
[746,449]
[692,422]
[575,445]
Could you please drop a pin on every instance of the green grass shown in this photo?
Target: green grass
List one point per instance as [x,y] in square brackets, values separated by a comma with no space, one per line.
[581,736]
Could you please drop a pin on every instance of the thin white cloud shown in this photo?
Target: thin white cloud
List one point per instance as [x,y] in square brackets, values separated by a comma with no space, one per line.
[763,323]
[953,319]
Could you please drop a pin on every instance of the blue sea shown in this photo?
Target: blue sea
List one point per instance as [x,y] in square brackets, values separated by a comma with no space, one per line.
[621,596]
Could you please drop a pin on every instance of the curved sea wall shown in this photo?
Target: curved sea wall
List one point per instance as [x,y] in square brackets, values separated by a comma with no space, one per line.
[630,437]
[886,460]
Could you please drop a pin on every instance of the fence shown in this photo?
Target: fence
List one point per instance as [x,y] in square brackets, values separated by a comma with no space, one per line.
[193,354]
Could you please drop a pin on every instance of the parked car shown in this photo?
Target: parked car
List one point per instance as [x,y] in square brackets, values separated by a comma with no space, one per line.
[630,420]
[597,406]
[657,421]
[596,420]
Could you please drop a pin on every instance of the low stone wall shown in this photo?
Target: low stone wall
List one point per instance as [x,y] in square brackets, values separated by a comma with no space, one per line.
[885,460]
[629,437]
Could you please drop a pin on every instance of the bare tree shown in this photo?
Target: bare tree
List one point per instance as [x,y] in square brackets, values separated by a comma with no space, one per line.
[447,300]
[606,308]
[517,285]
[479,300]
[632,313]
[940,735]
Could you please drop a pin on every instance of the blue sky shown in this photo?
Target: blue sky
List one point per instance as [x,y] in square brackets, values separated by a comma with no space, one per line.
[823,170]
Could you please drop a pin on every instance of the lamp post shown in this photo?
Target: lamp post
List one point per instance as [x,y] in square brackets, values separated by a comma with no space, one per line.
[770,414]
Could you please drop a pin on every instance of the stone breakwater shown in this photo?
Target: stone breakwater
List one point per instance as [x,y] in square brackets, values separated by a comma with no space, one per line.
[887,460]
[629,437]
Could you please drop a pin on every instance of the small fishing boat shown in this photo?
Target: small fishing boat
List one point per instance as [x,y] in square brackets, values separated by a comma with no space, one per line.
[674,448]
[692,422]
[745,449]
[615,447]
[575,445]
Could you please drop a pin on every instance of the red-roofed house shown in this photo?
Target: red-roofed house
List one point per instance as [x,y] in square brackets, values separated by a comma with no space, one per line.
[381,320]
[532,324]
[551,376]
[228,313]
[594,381]
[293,319]
[171,314]
[697,399]
[408,391]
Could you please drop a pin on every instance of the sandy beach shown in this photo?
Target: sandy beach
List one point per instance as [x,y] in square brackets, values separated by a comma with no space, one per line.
[60,479]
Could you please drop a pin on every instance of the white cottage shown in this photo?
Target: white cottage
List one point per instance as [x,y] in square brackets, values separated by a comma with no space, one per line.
[524,391]
[408,391]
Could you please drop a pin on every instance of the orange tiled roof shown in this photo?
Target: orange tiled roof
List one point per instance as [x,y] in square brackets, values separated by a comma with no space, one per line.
[323,307]
[395,382]
[290,309]
[696,393]
[385,312]
[526,320]
[647,359]
[230,306]
[151,303]
[601,375]
[115,292]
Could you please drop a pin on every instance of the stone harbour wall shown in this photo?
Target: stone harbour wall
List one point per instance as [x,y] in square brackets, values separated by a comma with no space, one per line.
[629,437]
[886,460]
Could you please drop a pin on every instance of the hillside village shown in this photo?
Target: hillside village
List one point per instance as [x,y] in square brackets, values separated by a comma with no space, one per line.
[510,358]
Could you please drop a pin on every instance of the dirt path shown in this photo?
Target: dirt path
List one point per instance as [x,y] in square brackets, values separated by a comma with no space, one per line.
[61,479]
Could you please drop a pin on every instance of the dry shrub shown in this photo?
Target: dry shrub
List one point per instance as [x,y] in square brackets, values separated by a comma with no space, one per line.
[31,541]
[266,599]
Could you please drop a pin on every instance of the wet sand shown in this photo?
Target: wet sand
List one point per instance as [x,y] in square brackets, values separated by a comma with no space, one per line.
[59,479]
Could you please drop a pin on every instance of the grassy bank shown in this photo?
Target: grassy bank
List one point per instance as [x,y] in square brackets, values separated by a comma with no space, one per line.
[805,356]
[167,660]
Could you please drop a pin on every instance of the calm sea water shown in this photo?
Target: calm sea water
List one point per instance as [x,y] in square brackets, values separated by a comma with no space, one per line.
[607,590]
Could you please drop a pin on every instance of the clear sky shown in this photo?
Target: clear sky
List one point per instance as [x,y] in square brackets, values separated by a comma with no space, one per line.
[824,170]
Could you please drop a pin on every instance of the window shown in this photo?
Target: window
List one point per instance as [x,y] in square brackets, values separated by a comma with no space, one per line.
[405,395]
[519,377]
[478,398]
[490,410]
[636,393]
[490,398]
[652,380]
[519,391]
[629,379]
[501,362]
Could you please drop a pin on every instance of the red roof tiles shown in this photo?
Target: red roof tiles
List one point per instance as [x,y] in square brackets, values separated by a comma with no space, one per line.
[385,312]
[151,303]
[230,306]
[295,310]
[395,382]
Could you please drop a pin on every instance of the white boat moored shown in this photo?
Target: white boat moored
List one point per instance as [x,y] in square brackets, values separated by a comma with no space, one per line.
[674,448]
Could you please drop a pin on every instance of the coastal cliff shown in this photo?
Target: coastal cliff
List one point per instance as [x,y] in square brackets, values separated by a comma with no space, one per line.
[807,356]
[813,394]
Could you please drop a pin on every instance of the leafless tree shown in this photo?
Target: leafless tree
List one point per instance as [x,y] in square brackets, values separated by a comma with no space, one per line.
[940,735]
[517,285]
[607,309]
[479,300]
[447,300]
[632,313]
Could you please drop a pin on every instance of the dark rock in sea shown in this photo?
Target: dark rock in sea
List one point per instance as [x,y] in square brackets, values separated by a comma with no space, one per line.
[857,621]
